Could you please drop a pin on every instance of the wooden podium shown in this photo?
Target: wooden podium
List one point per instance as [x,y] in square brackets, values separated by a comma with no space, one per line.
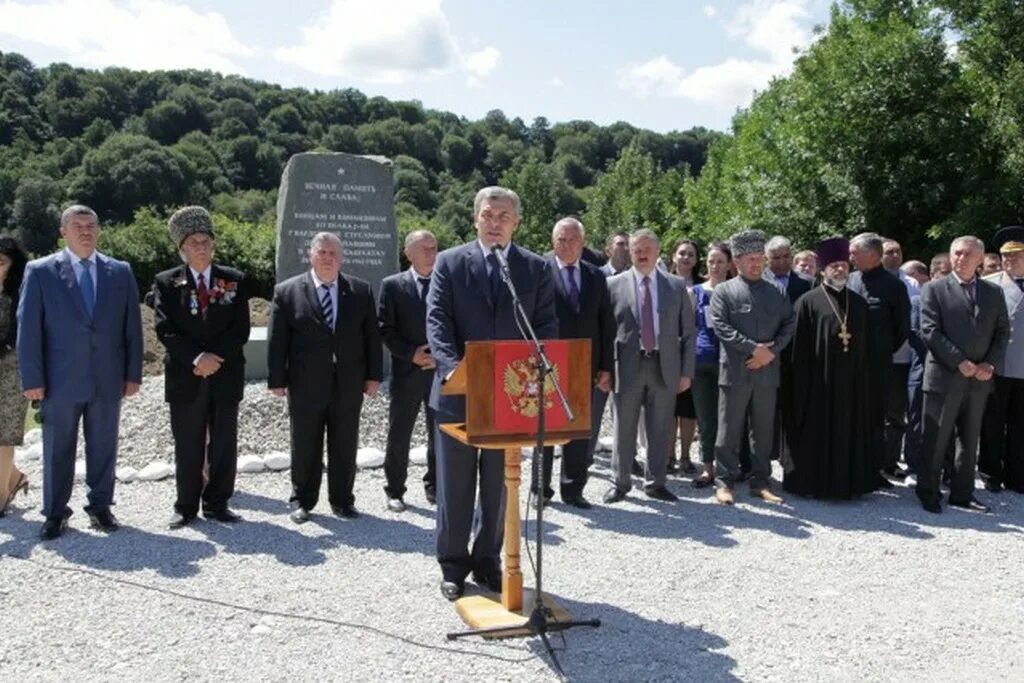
[475,377]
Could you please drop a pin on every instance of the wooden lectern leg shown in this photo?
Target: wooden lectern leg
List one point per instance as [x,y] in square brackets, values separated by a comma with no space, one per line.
[512,577]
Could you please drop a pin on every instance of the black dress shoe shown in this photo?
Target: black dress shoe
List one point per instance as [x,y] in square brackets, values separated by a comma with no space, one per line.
[884,483]
[577,501]
[993,486]
[222,515]
[179,520]
[973,504]
[896,472]
[103,520]
[53,527]
[299,515]
[431,495]
[452,591]
[672,467]
[345,511]
[614,495]
[637,469]
[489,580]
[932,506]
[660,493]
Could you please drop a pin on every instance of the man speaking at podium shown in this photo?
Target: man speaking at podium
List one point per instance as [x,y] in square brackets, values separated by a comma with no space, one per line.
[468,301]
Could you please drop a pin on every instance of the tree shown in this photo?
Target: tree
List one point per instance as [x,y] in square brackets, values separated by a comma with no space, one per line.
[36,215]
[128,172]
[545,198]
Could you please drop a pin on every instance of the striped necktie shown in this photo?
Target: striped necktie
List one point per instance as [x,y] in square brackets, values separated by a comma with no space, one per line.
[326,306]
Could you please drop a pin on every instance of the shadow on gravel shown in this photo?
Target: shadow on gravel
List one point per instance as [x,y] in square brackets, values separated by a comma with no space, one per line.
[129,549]
[283,539]
[898,512]
[628,647]
[709,524]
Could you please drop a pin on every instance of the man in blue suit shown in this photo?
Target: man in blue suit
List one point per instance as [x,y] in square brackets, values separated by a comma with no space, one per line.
[80,352]
[468,301]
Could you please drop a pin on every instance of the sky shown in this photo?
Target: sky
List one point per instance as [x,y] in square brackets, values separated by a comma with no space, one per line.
[656,64]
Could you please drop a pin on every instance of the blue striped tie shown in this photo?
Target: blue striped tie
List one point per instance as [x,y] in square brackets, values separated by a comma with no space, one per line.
[86,286]
[326,306]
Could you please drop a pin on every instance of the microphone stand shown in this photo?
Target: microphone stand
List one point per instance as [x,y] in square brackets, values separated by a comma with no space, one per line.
[541,621]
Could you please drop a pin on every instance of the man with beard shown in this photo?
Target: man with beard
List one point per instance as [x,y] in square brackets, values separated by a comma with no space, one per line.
[830,447]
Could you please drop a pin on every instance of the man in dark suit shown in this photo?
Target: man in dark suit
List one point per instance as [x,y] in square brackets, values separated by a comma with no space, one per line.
[468,301]
[202,319]
[402,312]
[324,353]
[889,318]
[779,253]
[966,327]
[584,312]
[80,352]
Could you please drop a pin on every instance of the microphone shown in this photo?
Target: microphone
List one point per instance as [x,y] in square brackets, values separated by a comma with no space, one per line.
[502,261]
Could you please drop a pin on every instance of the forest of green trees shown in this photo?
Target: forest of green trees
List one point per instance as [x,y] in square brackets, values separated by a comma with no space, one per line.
[905,117]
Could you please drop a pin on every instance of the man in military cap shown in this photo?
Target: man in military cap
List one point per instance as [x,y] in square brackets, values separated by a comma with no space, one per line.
[202,319]
[1001,459]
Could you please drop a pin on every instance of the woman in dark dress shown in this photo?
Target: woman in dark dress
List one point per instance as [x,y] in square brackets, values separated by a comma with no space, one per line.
[685,257]
[12,404]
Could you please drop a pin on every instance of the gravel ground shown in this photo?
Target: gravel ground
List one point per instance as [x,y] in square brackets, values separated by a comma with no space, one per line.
[868,590]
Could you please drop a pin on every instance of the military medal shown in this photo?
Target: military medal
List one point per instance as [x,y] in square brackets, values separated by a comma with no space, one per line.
[843,334]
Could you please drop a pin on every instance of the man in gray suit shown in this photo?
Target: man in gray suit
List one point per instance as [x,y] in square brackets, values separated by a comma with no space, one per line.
[1001,460]
[966,327]
[754,321]
[655,355]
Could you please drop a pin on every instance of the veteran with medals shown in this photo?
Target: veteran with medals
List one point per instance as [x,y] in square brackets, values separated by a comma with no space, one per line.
[830,446]
[202,319]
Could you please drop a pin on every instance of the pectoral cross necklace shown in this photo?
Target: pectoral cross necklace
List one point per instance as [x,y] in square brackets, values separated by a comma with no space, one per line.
[843,334]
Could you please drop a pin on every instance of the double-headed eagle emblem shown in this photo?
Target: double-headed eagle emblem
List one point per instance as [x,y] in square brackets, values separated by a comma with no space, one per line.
[521,387]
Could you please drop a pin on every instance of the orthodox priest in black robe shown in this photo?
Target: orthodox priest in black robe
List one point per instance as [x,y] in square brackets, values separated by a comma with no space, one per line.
[832,454]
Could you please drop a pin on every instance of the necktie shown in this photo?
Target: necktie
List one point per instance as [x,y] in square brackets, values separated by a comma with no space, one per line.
[647,317]
[574,291]
[1020,283]
[85,284]
[203,294]
[495,276]
[326,306]
[424,287]
[969,291]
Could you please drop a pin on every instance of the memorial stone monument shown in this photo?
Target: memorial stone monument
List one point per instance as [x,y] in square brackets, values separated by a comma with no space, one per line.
[347,194]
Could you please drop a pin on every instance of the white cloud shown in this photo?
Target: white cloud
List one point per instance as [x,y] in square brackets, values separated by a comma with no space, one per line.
[710,11]
[771,27]
[387,41]
[554,82]
[482,63]
[138,34]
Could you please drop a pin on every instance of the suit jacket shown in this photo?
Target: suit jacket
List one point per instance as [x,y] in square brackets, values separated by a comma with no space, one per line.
[1013,361]
[185,333]
[954,332]
[677,329]
[796,286]
[594,321]
[888,311]
[918,347]
[403,326]
[745,314]
[308,358]
[460,309]
[77,358]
